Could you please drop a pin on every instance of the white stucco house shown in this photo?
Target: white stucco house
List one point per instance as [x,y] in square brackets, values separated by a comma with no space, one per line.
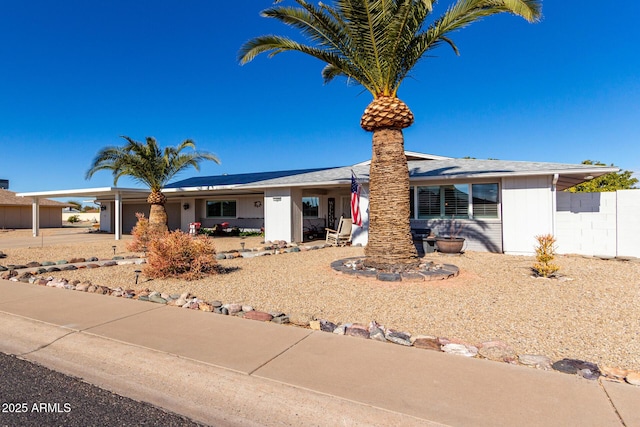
[502,204]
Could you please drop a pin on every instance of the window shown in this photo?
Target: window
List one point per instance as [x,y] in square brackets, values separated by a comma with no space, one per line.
[485,200]
[221,208]
[448,201]
[456,200]
[429,202]
[310,207]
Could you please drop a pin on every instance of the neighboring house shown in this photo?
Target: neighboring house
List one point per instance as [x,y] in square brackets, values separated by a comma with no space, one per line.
[17,212]
[501,205]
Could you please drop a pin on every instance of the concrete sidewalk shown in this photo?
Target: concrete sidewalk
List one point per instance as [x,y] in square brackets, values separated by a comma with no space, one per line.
[223,370]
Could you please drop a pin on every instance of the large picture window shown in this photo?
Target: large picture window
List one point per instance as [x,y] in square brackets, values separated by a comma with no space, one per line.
[221,208]
[310,207]
[454,200]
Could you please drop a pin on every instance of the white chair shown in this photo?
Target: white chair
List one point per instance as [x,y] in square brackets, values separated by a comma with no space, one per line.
[342,235]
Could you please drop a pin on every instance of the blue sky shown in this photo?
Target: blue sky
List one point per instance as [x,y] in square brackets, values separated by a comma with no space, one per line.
[75,75]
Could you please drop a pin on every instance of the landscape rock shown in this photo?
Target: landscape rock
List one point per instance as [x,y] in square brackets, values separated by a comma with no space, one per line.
[233,308]
[281,319]
[203,306]
[82,287]
[633,378]
[157,299]
[574,366]
[314,325]
[327,326]
[497,351]
[614,373]
[258,315]
[536,361]
[341,329]
[398,337]
[460,349]
[377,334]
[427,344]
[357,330]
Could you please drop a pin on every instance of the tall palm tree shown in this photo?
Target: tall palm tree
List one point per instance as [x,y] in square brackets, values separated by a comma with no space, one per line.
[376,43]
[151,166]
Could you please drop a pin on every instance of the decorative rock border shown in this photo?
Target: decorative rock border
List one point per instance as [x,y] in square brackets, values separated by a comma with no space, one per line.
[491,350]
[427,271]
[270,248]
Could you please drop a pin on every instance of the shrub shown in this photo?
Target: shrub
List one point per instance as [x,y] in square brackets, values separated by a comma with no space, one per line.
[142,234]
[177,254]
[73,218]
[545,253]
[251,233]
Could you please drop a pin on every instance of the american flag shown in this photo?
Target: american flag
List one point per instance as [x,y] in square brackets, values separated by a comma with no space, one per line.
[356,218]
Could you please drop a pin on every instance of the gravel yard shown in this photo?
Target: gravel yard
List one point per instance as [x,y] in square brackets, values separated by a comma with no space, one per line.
[591,313]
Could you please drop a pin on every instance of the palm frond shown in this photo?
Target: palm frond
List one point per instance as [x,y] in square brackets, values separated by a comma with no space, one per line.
[375,42]
[147,163]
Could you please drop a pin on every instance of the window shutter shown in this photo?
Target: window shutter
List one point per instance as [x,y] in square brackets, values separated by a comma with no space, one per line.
[429,202]
[456,200]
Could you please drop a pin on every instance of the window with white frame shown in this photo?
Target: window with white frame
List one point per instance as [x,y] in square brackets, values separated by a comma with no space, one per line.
[310,207]
[221,208]
[485,200]
[455,200]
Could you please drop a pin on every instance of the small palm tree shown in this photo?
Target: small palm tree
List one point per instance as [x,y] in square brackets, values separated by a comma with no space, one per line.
[376,43]
[151,166]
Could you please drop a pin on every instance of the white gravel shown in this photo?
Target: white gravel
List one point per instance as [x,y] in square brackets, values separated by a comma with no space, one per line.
[593,313]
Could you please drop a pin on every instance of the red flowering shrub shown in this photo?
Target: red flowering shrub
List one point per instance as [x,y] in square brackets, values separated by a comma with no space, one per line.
[177,254]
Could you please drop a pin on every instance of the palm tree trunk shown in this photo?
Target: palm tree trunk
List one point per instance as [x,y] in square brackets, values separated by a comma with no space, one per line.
[158,218]
[390,244]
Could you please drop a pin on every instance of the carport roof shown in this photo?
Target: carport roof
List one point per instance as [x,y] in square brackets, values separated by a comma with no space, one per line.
[125,193]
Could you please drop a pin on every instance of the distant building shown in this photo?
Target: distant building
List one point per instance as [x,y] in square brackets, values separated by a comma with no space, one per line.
[4,184]
[16,212]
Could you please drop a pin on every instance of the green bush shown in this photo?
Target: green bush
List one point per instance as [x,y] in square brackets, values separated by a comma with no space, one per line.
[73,219]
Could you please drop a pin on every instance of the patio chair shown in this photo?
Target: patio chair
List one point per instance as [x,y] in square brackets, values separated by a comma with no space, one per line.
[342,235]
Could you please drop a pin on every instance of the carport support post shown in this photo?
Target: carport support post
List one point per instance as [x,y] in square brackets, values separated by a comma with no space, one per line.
[118,214]
[35,216]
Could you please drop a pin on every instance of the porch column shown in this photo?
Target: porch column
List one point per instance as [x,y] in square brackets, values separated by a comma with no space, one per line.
[118,216]
[35,216]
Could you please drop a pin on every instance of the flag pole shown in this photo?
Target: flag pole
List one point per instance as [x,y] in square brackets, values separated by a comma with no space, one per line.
[362,189]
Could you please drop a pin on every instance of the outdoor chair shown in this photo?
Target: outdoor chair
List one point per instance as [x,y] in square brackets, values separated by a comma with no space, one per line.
[342,235]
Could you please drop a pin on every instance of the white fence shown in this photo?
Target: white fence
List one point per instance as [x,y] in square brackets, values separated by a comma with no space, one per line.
[605,224]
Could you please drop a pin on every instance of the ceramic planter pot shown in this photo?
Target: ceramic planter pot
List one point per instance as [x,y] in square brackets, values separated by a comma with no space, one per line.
[450,245]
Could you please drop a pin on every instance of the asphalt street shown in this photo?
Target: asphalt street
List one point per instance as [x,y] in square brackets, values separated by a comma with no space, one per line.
[32,395]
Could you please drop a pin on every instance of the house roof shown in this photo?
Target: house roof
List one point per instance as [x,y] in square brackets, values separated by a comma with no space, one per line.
[419,171]
[237,179]
[9,198]
[422,168]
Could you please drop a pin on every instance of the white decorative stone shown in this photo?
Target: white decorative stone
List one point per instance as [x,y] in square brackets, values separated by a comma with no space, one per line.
[460,349]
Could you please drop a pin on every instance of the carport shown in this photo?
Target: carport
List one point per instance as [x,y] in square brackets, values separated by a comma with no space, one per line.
[109,193]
